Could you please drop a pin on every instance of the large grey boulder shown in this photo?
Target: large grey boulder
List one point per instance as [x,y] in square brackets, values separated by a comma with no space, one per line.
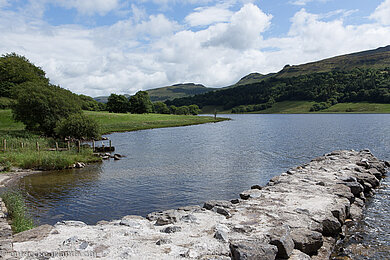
[281,238]
[307,241]
[252,250]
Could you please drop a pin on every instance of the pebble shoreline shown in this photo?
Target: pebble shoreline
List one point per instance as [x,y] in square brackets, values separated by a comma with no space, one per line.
[298,215]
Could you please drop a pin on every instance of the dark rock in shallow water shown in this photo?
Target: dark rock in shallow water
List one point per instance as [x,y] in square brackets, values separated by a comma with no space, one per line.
[256,187]
[217,203]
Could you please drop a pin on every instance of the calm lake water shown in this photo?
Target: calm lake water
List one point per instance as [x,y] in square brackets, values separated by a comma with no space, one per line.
[172,167]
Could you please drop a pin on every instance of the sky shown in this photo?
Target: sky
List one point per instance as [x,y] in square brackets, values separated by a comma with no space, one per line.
[99,47]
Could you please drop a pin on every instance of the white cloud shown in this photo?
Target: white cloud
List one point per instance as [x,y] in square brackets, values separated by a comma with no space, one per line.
[209,15]
[305,2]
[243,31]
[382,13]
[90,7]
[311,39]
[148,51]
[4,3]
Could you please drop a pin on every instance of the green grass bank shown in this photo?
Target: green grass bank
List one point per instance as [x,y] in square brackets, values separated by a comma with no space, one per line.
[17,211]
[303,107]
[112,122]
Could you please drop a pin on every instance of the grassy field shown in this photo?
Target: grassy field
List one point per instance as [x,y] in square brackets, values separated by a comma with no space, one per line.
[111,122]
[358,108]
[288,107]
[302,107]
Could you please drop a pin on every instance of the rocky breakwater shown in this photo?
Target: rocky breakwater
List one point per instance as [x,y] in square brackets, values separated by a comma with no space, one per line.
[297,215]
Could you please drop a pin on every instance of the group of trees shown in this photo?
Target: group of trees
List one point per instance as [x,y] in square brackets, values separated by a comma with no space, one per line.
[140,103]
[253,108]
[371,85]
[42,106]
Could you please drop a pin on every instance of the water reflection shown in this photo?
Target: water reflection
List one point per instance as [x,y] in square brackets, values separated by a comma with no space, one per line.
[45,191]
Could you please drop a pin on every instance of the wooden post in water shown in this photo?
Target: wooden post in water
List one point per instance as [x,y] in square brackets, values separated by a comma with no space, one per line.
[110,145]
[78,146]
[215,114]
[56,146]
[93,145]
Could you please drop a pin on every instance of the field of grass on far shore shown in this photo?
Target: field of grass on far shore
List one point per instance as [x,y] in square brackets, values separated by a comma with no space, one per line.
[112,122]
[303,107]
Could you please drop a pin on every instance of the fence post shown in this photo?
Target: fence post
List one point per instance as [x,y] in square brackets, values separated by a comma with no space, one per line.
[56,146]
[93,145]
[78,146]
[68,146]
[110,145]
[37,146]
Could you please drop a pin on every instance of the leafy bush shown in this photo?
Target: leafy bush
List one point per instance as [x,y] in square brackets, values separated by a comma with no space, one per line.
[78,126]
[118,104]
[40,106]
[140,103]
[15,70]
[90,104]
[183,110]
[6,103]
[193,110]
[161,108]
[320,106]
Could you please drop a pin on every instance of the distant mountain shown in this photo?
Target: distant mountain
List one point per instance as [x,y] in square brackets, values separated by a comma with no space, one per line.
[377,59]
[170,92]
[356,77]
[177,91]
[252,78]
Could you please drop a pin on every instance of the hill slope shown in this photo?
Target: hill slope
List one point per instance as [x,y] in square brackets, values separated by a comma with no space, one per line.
[357,77]
[378,58]
[169,92]
[177,91]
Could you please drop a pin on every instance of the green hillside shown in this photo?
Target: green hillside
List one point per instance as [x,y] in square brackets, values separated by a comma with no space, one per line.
[251,78]
[375,59]
[353,78]
[169,92]
[177,91]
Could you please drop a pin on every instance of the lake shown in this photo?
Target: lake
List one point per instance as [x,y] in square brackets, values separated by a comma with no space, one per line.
[172,167]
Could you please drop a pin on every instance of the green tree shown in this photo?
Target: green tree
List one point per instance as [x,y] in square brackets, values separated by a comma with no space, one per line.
[173,109]
[160,108]
[15,70]
[118,104]
[140,103]
[194,109]
[183,110]
[90,104]
[40,106]
[78,126]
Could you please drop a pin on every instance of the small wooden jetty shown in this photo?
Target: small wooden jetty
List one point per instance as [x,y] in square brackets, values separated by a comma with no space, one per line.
[103,148]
